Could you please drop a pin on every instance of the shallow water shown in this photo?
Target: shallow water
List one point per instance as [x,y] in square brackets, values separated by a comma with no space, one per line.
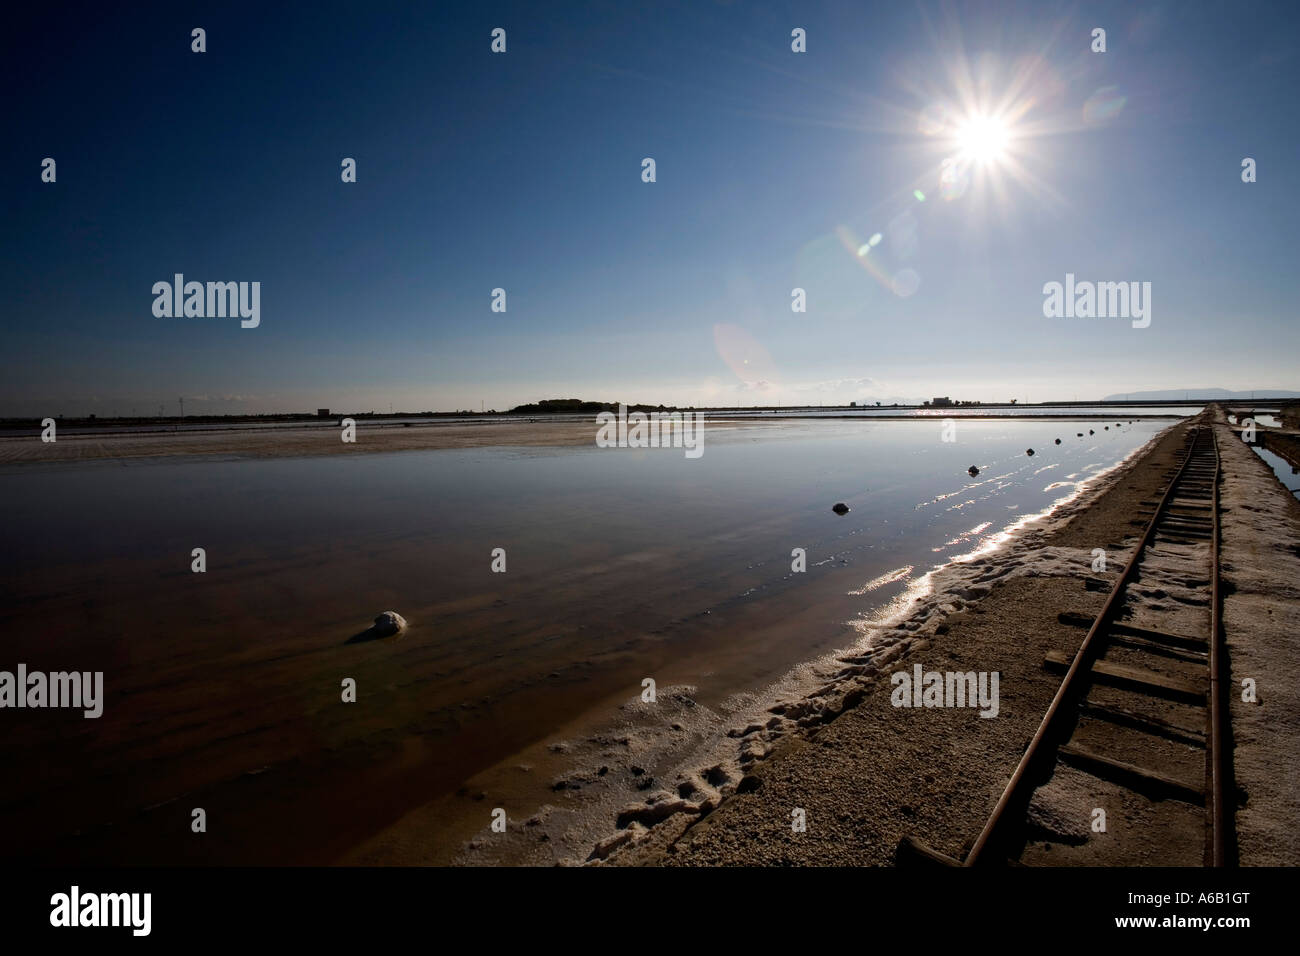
[620,563]
[1289,476]
[1124,412]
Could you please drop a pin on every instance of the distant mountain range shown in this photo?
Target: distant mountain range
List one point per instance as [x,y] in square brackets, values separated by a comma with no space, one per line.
[1199,395]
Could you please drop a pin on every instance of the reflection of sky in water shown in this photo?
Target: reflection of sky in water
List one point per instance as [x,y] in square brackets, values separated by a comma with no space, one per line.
[751,497]
[867,411]
[1285,473]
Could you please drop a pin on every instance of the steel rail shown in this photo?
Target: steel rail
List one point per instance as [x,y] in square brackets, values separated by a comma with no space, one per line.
[1217,730]
[1083,659]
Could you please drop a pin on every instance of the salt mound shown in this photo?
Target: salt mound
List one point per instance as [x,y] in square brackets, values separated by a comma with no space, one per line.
[389,623]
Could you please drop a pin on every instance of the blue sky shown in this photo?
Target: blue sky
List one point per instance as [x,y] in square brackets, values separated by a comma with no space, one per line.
[523,171]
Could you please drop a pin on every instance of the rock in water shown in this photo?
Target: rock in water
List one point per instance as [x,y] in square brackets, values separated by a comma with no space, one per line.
[1029,452]
[972,471]
[840,508]
[389,623]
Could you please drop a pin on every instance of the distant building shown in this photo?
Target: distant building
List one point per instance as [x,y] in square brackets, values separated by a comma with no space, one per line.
[853,404]
[322,413]
[942,402]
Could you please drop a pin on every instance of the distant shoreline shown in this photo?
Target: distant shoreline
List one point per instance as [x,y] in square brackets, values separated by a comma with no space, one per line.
[15,423]
[304,440]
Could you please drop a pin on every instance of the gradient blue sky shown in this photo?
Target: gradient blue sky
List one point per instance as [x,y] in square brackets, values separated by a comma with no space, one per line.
[523,171]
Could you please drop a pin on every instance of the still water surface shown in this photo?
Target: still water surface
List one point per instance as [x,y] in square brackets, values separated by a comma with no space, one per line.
[224,686]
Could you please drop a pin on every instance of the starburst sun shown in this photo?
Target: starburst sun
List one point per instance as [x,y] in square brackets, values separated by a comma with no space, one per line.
[983,139]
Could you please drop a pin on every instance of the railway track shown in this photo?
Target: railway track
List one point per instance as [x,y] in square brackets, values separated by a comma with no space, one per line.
[1141,712]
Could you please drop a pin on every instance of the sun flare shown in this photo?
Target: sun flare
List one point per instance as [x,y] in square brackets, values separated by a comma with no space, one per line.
[983,139]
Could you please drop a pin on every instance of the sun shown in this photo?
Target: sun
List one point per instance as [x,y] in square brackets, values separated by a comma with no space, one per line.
[983,139]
